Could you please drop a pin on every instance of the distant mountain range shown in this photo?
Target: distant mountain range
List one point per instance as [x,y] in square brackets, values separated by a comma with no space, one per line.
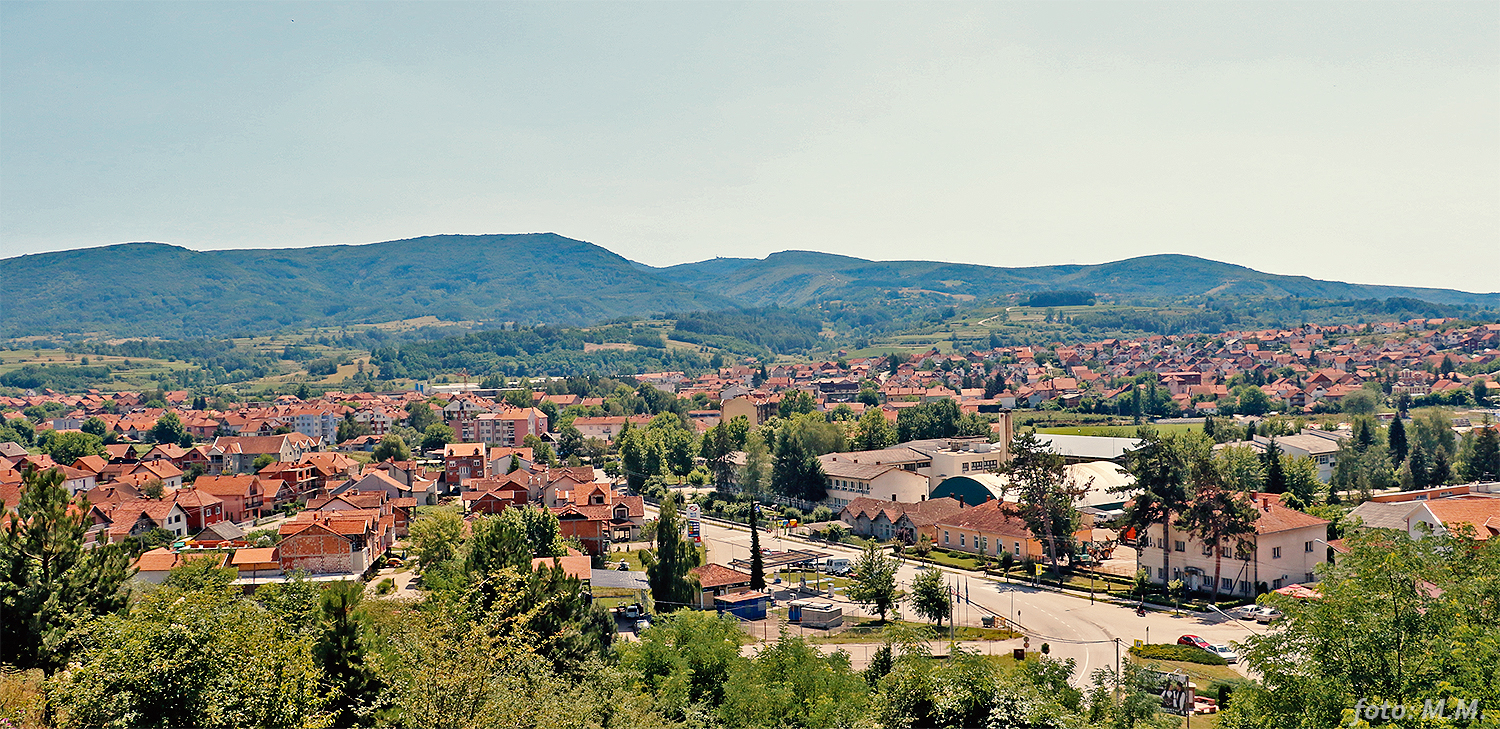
[793,278]
[153,289]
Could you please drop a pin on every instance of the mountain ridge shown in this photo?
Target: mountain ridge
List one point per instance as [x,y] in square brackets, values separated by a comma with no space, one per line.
[805,277]
[167,290]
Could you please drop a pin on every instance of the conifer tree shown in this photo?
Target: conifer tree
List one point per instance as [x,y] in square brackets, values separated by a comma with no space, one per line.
[757,562]
[668,569]
[1396,441]
[49,582]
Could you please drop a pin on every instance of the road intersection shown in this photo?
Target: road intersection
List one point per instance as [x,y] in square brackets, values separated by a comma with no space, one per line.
[1093,633]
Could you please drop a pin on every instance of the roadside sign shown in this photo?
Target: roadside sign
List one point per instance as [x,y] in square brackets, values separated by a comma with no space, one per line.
[694,522]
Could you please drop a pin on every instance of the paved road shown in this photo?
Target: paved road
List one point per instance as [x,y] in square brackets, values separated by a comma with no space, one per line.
[1072,626]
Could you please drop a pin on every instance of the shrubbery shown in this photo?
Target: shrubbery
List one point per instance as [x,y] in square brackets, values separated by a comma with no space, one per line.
[1169,652]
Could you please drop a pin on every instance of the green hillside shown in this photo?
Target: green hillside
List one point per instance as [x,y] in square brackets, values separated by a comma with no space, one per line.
[160,290]
[795,278]
[479,281]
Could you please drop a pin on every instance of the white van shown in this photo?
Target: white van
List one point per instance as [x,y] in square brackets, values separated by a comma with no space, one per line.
[834,565]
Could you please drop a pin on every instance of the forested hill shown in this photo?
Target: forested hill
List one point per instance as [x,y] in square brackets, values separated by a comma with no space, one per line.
[795,278]
[157,290]
[151,289]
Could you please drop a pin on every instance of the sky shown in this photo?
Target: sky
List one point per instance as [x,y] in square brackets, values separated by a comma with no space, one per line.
[1352,141]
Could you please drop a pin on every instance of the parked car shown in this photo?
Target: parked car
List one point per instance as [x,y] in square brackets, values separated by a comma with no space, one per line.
[1266,614]
[633,611]
[1195,642]
[641,625]
[1225,652]
[1245,612]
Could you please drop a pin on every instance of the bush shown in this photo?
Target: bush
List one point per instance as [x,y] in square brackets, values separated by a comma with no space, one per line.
[385,586]
[1171,652]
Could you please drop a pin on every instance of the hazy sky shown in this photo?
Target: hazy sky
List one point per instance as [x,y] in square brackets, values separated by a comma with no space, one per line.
[1353,141]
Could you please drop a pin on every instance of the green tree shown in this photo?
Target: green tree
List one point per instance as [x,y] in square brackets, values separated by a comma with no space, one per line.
[349,429]
[66,447]
[340,653]
[874,432]
[634,445]
[792,683]
[436,437]
[1275,473]
[797,402]
[755,474]
[873,580]
[685,660]
[1303,488]
[1252,400]
[796,472]
[868,397]
[1483,462]
[391,448]
[757,561]
[669,566]
[569,441]
[51,584]
[420,415]
[1159,466]
[168,429]
[1217,515]
[1046,494]
[930,597]
[1396,440]
[94,426]
[228,662]
[1244,469]
[1360,402]
[436,536]
[1405,621]
[261,461]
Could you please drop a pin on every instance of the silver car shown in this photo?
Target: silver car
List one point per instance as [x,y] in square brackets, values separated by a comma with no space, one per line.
[1225,652]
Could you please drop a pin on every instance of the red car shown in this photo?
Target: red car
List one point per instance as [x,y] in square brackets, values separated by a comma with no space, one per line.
[1193,641]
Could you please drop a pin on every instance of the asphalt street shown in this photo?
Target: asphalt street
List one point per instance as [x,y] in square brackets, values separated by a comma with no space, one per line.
[1071,625]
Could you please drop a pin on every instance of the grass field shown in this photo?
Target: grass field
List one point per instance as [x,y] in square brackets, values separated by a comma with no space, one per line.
[1120,431]
[869,630]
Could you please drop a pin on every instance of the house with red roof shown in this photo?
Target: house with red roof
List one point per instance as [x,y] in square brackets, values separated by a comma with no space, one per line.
[598,515]
[244,496]
[334,542]
[1285,548]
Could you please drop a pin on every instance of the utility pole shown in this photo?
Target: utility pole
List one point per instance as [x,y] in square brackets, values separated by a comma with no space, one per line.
[1117,668]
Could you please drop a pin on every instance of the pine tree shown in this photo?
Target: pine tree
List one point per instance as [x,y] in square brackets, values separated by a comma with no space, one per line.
[1396,441]
[1484,462]
[1441,470]
[49,582]
[757,562]
[1275,474]
[1418,463]
[669,568]
[341,655]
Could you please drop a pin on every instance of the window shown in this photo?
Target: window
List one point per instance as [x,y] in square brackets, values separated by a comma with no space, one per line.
[1179,546]
[1018,549]
[945,536]
[1276,583]
[1276,553]
[1208,550]
[1226,584]
[1309,577]
[1244,586]
[1161,573]
[960,540]
[1307,546]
